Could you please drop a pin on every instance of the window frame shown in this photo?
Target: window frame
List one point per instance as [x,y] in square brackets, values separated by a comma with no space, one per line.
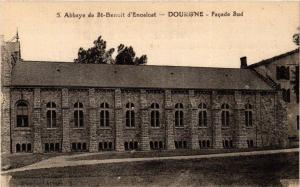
[202,115]
[155,115]
[23,108]
[51,108]
[130,116]
[179,116]
[78,115]
[104,115]
[225,115]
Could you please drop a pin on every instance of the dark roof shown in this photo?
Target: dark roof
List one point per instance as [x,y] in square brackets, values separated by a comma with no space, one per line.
[29,73]
[270,60]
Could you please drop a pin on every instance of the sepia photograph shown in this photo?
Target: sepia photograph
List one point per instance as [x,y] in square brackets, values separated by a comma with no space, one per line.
[154,93]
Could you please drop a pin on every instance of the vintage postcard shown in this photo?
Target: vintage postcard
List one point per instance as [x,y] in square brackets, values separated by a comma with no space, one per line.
[149,93]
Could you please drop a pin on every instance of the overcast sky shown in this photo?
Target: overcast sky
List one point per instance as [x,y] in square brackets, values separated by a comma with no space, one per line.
[264,30]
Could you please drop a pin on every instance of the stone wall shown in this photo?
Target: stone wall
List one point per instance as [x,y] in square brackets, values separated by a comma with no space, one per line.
[269,70]
[10,54]
[269,119]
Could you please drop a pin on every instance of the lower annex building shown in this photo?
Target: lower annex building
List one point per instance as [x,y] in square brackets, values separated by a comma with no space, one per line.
[58,106]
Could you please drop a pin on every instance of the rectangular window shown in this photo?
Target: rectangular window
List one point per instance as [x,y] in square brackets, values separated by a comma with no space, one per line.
[282,72]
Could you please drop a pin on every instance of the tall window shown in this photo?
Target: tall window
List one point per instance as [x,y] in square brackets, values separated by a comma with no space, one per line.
[155,115]
[130,115]
[78,114]
[202,115]
[225,115]
[179,115]
[286,95]
[22,114]
[51,115]
[248,115]
[104,115]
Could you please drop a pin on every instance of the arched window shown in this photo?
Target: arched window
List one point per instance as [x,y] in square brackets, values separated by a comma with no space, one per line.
[51,115]
[78,114]
[202,115]
[130,115]
[179,115]
[22,114]
[225,115]
[104,115]
[155,115]
[248,115]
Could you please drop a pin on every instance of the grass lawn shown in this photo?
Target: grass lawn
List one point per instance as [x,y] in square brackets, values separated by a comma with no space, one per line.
[259,170]
[20,160]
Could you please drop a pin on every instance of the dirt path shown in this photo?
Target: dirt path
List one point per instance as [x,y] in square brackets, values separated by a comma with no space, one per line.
[64,161]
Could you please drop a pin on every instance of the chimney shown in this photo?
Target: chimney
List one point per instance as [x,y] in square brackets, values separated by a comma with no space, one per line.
[243,62]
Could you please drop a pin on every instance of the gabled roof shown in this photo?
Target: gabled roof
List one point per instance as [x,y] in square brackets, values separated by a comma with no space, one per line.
[270,60]
[60,74]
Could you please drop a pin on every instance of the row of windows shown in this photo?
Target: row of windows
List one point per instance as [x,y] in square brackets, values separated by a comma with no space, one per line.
[51,147]
[105,146]
[132,145]
[156,145]
[22,115]
[204,144]
[180,144]
[23,148]
[79,147]
[227,144]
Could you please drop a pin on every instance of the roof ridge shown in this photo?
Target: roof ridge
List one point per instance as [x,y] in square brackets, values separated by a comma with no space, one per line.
[269,60]
[147,65]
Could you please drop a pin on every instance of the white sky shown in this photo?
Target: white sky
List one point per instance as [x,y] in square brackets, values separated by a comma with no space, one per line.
[264,31]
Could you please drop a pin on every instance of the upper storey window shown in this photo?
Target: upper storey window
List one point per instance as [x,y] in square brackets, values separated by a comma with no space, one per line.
[202,115]
[225,115]
[179,115]
[104,115]
[78,114]
[130,115]
[282,72]
[51,115]
[22,114]
[154,115]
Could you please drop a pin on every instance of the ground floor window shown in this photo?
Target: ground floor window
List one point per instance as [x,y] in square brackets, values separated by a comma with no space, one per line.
[24,147]
[105,146]
[227,144]
[204,144]
[180,144]
[156,145]
[51,147]
[79,146]
[132,145]
[250,143]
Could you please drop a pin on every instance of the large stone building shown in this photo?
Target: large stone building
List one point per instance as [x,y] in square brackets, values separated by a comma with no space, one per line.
[282,69]
[58,106]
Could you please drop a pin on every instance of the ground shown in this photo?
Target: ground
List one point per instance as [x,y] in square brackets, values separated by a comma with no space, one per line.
[11,161]
[256,170]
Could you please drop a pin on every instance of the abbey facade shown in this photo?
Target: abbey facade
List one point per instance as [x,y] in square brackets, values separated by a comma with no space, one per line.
[64,107]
